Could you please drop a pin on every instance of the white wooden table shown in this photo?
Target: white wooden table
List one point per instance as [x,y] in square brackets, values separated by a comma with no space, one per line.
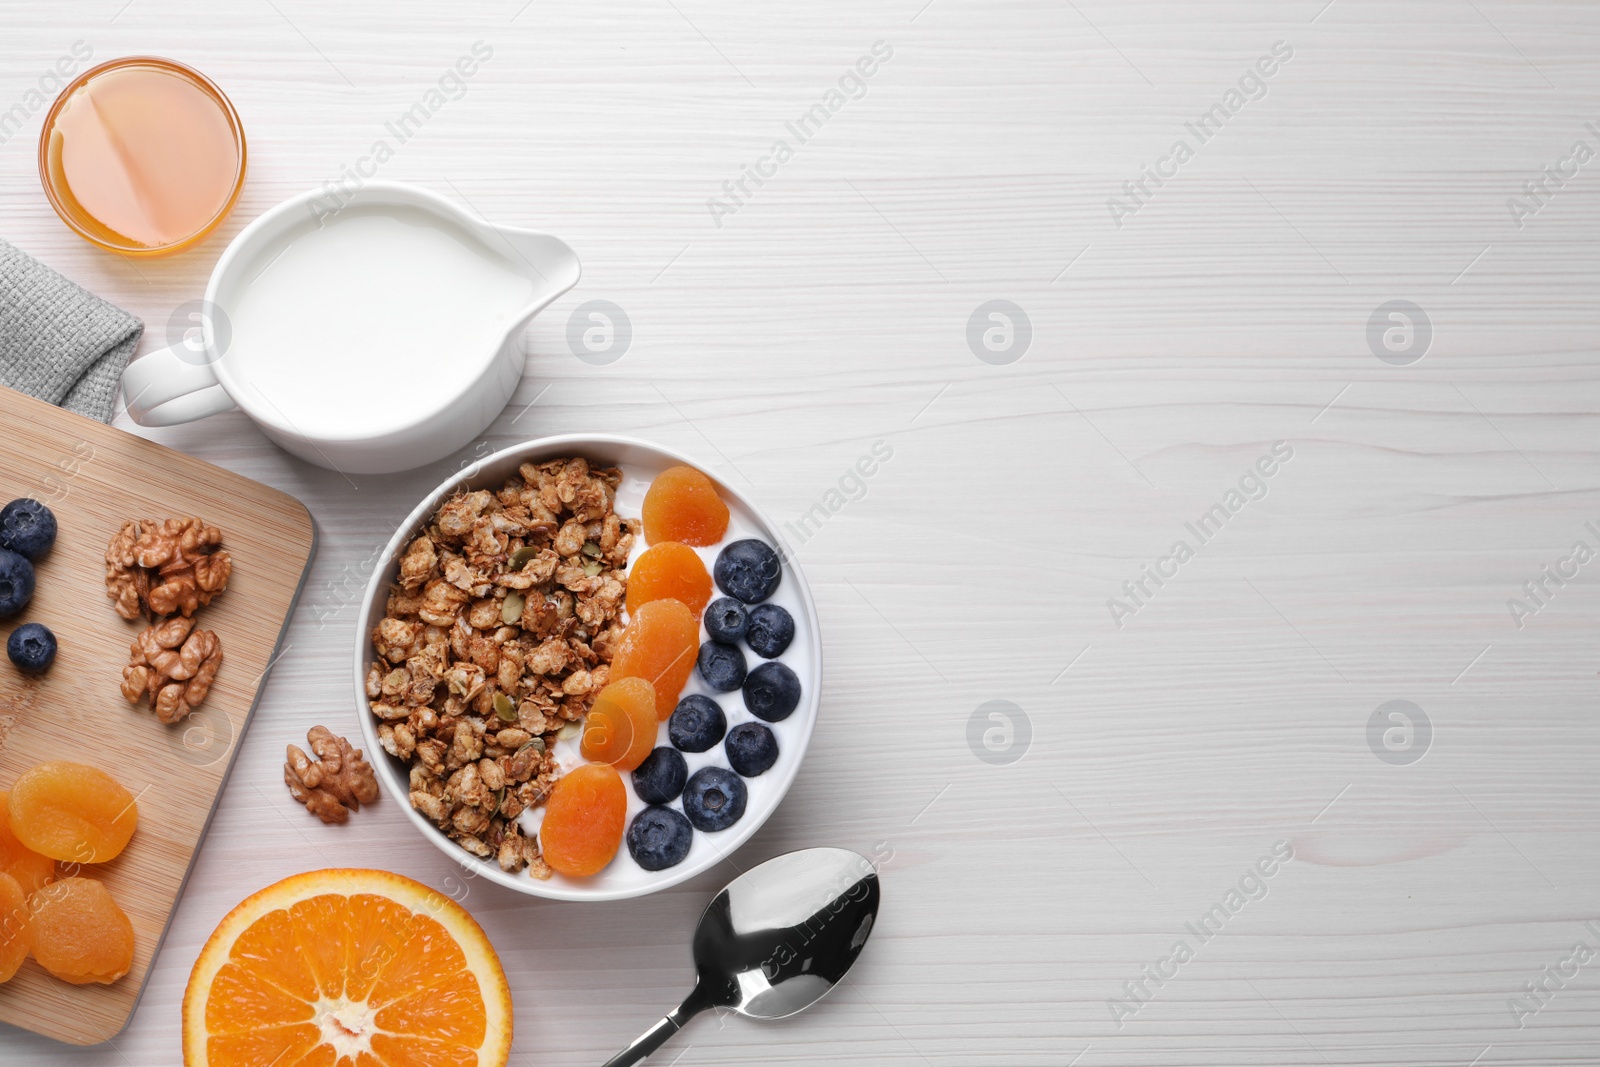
[1161,758]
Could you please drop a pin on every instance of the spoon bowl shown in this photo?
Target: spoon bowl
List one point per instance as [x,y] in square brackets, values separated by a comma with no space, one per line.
[775,940]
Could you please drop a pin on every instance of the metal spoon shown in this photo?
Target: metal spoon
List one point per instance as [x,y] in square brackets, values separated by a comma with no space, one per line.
[775,940]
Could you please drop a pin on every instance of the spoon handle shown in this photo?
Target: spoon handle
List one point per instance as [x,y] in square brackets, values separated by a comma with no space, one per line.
[647,1043]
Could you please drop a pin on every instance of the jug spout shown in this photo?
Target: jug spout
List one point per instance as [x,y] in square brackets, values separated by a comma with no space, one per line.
[548,262]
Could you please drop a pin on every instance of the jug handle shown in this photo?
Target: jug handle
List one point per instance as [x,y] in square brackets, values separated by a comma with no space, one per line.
[167,387]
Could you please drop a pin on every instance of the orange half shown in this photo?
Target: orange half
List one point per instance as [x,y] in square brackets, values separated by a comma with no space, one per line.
[347,968]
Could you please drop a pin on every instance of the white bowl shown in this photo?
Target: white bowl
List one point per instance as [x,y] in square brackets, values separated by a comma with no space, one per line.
[640,461]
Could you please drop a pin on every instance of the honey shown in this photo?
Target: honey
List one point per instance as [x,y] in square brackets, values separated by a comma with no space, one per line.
[142,156]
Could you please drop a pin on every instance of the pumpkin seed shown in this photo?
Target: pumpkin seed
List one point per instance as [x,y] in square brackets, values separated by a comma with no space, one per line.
[511,608]
[504,708]
[591,568]
[591,550]
[537,744]
[522,556]
[570,730]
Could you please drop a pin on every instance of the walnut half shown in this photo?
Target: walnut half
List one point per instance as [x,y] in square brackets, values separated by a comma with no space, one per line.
[167,571]
[165,568]
[173,664]
[338,782]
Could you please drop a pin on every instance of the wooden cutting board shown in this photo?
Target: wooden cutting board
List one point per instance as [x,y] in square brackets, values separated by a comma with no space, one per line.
[93,477]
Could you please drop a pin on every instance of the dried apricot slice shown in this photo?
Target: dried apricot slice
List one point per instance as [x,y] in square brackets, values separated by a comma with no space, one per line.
[621,727]
[682,505]
[583,820]
[68,811]
[659,646]
[669,570]
[79,933]
[16,933]
[31,870]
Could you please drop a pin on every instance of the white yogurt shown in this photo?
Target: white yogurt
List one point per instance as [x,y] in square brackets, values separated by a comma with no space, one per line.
[373,318]
[764,789]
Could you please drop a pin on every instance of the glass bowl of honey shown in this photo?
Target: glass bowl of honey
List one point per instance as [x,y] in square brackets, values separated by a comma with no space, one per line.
[142,156]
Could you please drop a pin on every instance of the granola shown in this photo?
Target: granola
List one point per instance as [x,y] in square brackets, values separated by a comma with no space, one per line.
[498,634]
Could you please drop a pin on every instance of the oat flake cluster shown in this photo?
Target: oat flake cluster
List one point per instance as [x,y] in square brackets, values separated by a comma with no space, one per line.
[500,633]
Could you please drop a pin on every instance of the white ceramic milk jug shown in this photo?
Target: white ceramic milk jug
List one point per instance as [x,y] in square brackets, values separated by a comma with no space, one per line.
[371,334]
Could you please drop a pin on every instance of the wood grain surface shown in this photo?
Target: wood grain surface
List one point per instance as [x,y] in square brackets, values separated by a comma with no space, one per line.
[94,477]
[1165,757]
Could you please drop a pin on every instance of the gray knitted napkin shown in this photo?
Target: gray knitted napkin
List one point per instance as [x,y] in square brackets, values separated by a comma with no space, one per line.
[60,342]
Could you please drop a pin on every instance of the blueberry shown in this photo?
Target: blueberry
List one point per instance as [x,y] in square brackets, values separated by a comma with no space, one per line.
[659,838]
[771,692]
[697,723]
[725,620]
[770,631]
[722,666]
[32,647]
[28,527]
[16,582]
[659,779]
[748,570]
[714,798]
[751,749]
